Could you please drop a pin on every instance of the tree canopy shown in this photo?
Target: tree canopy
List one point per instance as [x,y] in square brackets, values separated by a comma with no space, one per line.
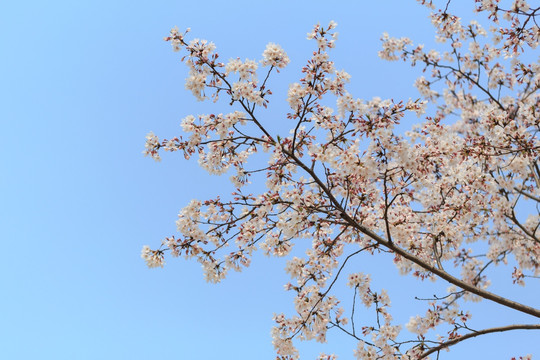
[451,198]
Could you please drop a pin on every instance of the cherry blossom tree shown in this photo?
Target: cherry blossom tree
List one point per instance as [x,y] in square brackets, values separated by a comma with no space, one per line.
[449,199]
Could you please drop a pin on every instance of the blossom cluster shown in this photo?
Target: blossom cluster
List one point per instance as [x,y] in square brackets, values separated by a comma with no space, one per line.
[446,198]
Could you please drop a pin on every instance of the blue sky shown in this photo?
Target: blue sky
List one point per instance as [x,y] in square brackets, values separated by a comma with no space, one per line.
[82,83]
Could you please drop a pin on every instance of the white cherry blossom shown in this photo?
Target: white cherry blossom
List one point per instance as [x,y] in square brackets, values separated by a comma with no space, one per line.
[449,199]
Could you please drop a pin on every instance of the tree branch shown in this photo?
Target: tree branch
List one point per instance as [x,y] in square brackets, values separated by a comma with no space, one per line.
[455,341]
[391,246]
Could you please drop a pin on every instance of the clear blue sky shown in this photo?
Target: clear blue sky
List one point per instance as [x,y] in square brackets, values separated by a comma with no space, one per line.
[81,84]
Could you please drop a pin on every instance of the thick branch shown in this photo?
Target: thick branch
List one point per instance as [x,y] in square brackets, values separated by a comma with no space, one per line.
[478,333]
[389,245]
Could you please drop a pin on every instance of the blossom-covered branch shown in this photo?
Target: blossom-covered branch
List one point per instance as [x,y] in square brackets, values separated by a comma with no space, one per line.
[347,181]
